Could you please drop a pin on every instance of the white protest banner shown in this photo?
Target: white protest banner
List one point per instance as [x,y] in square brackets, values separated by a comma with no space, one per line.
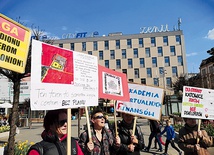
[62,78]
[198,103]
[145,101]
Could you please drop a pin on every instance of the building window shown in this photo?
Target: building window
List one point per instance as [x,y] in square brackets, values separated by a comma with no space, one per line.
[156,81]
[124,71]
[203,72]
[141,42]
[168,82]
[167,62]
[160,51]
[129,43]
[149,72]
[154,62]
[106,45]
[107,63]
[112,54]
[165,40]
[180,61]
[118,64]
[72,46]
[161,71]
[143,81]
[83,46]
[130,63]
[90,52]
[100,55]
[131,80]
[211,69]
[135,52]
[147,52]
[95,45]
[172,50]
[178,39]
[153,42]
[174,71]
[142,63]
[61,45]
[123,53]
[117,44]
[136,73]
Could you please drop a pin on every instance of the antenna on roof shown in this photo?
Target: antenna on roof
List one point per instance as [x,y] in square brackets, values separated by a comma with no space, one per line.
[179,23]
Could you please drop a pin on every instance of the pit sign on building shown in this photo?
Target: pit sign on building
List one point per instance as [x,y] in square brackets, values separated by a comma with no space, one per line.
[14,44]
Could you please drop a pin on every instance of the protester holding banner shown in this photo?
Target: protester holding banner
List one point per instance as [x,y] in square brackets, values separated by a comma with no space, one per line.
[193,141]
[131,144]
[55,136]
[155,130]
[102,140]
[170,136]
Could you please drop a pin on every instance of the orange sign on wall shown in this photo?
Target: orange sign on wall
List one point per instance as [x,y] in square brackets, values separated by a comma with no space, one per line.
[14,44]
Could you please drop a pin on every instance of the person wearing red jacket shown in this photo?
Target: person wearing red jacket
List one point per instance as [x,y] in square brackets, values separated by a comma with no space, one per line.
[55,136]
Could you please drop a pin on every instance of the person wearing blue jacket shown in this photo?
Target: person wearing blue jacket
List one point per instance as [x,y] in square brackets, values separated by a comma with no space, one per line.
[170,136]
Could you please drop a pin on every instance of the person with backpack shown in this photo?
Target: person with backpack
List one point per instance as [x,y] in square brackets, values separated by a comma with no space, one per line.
[55,136]
[103,141]
[170,136]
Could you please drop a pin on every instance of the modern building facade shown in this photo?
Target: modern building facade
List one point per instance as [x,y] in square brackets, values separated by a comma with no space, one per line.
[154,58]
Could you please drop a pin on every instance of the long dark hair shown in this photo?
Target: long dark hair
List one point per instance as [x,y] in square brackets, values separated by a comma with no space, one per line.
[52,119]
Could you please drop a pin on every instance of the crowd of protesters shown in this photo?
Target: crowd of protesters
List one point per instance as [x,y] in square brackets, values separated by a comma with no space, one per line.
[127,140]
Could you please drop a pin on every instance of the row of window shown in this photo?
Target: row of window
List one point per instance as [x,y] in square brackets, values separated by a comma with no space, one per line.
[156,81]
[135,53]
[142,62]
[129,43]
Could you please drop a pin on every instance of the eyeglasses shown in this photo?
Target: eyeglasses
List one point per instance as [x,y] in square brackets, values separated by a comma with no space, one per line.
[99,117]
[62,122]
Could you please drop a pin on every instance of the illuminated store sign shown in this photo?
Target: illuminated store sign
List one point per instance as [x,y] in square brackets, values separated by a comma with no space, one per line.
[79,35]
[163,28]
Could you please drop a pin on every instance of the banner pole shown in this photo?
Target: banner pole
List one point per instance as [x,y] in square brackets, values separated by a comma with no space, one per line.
[88,124]
[134,125]
[199,127]
[68,131]
[115,118]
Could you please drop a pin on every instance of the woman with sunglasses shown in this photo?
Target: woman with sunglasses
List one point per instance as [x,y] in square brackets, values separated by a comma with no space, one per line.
[103,142]
[55,136]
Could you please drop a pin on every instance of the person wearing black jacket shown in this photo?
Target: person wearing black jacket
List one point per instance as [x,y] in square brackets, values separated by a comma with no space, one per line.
[130,145]
[155,130]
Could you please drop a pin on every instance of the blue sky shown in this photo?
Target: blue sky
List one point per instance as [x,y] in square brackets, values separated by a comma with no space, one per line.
[69,16]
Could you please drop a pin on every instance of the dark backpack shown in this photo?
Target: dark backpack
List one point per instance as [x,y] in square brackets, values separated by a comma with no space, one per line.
[39,147]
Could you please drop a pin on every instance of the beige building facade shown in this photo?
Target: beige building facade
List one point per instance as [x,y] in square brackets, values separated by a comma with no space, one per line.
[154,59]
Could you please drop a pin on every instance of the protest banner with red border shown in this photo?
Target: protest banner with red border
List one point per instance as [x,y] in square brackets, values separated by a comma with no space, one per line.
[112,85]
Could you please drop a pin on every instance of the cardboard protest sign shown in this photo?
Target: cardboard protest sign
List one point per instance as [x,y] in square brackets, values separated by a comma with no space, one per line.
[62,78]
[198,103]
[14,44]
[145,101]
[112,85]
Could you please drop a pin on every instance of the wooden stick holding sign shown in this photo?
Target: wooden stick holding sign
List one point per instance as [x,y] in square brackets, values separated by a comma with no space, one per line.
[115,118]
[88,124]
[134,125]
[69,131]
[199,128]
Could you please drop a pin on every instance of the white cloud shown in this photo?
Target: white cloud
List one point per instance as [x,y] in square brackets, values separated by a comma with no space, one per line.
[64,28]
[210,34]
[191,54]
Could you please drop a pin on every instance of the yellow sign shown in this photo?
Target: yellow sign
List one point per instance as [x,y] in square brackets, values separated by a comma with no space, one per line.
[14,44]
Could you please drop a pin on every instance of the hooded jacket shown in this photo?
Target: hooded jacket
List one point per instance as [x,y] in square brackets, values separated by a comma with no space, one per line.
[188,139]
